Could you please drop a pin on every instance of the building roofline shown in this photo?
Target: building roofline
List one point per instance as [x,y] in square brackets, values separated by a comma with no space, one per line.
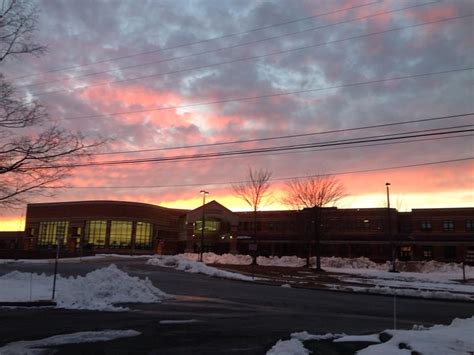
[110,202]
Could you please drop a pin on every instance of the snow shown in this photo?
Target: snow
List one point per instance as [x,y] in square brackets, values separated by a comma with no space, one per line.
[30,347]
[288,347]
[454,339]
[74,260]
[428,279]
[98,290]
[295,346]
[372,338]
[181,263]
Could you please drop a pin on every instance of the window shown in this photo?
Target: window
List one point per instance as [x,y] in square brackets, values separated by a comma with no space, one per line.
[427,252]
[209,226]
[120,234]
[50,230]
[426,226]
[143,235]
[470,225]
[95,233]
[448,226]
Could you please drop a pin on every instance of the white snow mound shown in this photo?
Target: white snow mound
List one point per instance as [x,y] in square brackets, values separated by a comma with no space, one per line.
[181,263]
[97,290]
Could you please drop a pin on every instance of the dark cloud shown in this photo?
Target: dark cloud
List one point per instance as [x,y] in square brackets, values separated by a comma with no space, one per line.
[81,32]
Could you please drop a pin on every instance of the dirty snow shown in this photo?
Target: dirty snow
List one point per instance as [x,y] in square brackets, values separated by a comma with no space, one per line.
[453,339]
[98,290]
[181,263]
[32,347]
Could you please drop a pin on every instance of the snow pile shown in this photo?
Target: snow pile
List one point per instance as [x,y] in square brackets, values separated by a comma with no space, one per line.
[287,261]
[286,347]
[226,259]
[452,339]
[354,263]
[181,263]
[98,290]
[294,346]
[36,346]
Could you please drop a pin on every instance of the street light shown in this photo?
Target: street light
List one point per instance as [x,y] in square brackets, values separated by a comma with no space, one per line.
[389,219]
[203,224]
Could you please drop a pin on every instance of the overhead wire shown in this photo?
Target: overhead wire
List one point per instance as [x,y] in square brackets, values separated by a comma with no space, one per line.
[300,135]
[207,66]
[266,96]
[379,138]
[221,49]
[202,41]
[288,178]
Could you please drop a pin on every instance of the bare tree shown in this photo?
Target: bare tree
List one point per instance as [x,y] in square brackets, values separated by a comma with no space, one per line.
[18,20]
[254,191]
[31,157]
[315,192]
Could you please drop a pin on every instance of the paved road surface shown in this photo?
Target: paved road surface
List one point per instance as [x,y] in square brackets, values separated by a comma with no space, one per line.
[233,317]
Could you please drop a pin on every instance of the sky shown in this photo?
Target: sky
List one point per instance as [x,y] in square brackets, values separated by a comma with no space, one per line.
[161,74]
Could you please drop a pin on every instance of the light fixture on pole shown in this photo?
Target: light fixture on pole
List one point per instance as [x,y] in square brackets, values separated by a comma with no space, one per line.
[203,223]
[389,226]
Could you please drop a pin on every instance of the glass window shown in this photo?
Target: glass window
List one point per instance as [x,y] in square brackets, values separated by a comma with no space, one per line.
[50,230]
[470,225]
[120,234]
[209,226]
[425,225]
[143,235]
[96,232]
[448,226]
[427,252]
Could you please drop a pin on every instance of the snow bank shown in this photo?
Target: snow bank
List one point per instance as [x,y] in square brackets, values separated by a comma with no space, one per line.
[181,263]
[452,339]
[295,346]
[32,346]
[287,261]
[287,347]
[332,262]
[226,259]
[98,290]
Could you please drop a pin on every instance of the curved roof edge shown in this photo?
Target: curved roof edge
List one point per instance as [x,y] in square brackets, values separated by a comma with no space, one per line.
[110,202]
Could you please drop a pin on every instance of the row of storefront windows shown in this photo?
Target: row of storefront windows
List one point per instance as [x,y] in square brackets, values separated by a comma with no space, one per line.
[447,225]
[120,235]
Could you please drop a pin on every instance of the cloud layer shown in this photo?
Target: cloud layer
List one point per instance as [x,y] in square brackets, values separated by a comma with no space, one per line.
[362,44]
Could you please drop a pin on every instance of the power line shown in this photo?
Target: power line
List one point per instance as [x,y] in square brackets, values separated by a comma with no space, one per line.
[249,98]
[215,51]
[379,138]
[277,179]
[289,136]
[306,150]
[251,57]
[205,40]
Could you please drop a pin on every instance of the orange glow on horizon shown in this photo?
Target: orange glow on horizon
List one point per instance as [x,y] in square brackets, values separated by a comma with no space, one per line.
[12,224]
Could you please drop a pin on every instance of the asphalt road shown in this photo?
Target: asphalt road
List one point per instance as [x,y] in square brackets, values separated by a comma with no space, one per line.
[232,317]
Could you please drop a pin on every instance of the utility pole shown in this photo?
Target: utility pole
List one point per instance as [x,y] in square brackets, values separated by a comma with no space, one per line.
[203,224]
[390,234]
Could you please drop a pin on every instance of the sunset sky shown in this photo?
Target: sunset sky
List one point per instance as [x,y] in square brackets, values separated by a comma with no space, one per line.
[166,74]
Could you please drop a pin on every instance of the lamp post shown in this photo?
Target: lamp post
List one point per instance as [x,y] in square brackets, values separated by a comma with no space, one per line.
[389,225]
[203,224]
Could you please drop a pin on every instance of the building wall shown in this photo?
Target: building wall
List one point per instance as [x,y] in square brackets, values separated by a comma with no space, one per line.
[441,234]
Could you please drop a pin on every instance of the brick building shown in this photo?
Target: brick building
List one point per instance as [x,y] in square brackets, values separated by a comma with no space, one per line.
[87,227]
